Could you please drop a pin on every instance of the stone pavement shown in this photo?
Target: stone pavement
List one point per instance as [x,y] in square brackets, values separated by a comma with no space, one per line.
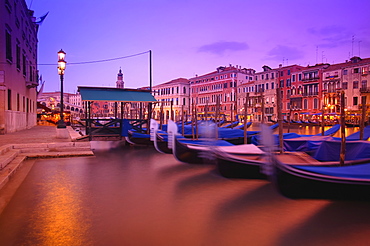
[37,134]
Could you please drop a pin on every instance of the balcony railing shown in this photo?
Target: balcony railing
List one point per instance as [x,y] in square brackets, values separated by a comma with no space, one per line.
[310,79]
[365,89]
[308,94]
[31,84]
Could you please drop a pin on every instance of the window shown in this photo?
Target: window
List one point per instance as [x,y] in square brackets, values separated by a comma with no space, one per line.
[315,103]
[18,56]
[364,84]
[305,104]
[267,86]
[272,85]
[345,72]
[225,85]
[293,77]
[364,70]
[345,85]
[355,101]
[356,70]
[288,71]
[184,90]
[9,99]
[272,75]
[355,84]
[300,77]
[8,40]
[281,84]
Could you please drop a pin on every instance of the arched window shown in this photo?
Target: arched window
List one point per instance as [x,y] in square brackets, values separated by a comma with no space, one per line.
[315,103]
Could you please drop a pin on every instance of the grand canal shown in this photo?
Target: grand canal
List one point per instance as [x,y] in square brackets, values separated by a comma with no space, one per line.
[136,196]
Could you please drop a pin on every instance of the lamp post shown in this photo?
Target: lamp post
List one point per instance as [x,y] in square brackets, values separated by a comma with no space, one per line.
[61,68]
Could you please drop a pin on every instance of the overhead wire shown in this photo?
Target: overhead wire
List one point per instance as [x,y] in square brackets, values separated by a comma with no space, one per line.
[97,61]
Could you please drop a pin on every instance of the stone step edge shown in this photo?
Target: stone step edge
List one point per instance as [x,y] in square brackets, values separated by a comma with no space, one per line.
[8,157]
[58,154]
[53,150]
[7,173]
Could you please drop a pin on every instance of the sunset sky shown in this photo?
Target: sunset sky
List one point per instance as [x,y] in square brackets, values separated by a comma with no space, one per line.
[189,37]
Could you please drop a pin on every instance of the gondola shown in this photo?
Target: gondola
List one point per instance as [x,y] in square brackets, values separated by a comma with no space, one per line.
[196,151]
[137,138]
[241,161]
[321,176]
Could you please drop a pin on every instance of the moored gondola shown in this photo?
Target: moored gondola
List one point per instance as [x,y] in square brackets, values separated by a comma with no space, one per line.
[242,161]
[321,175]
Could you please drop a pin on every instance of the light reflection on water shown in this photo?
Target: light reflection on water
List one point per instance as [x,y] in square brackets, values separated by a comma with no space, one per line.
[136,196]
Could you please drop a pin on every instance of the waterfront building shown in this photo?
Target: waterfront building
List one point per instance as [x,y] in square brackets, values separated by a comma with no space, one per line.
[261,89]
[18,66]
[352,77]
[304,95]
[173,100]
[218,86]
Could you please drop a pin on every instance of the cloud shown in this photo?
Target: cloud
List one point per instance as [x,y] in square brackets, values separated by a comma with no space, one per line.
[221,47]
[280,52]
[331,36]
[326,30]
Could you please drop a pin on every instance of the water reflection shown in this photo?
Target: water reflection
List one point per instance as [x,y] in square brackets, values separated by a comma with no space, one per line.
[136,196]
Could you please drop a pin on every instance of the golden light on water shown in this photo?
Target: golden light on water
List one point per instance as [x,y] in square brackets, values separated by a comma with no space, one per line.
[59,219]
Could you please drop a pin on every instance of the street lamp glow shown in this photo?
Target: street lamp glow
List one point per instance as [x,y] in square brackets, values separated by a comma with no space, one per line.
[61,68]
[61,62]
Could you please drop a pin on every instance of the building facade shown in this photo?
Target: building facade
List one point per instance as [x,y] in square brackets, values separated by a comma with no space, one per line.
[218,89]
[18,66]
[352,77]
[173,100]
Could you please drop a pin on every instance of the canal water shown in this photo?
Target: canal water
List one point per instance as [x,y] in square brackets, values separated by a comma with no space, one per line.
[137,196]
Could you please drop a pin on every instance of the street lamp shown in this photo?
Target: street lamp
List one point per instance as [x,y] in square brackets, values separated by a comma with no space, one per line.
[61,68]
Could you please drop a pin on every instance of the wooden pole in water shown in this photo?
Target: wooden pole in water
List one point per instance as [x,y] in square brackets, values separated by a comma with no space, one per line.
[196,123]
[322,119]
[363,115]
[245,116]
[290,117]
[182,121]
[262,107]
[343,132]
[280,120]
[161,116]
[217,116]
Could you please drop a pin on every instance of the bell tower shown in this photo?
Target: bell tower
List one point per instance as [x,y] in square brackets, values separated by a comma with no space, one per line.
[120,83]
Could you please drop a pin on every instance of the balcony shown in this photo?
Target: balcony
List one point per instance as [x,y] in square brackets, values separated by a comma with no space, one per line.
[331,77]
[310,94]
[311,79]
[31,84]
[365,89]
